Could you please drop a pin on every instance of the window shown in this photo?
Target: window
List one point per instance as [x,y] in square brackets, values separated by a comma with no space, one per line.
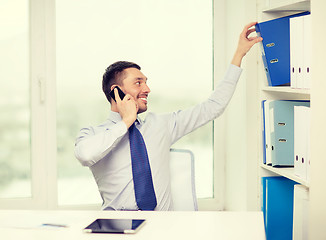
[170,40]
[15,134]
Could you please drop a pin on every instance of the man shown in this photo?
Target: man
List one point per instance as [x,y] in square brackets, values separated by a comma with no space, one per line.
[108,149]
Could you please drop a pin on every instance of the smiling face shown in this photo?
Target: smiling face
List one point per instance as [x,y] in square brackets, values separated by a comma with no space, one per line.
[135,84]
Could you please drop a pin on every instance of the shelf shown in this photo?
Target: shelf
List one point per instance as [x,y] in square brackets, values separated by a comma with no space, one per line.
[287,90]
[289,5]
[287,172]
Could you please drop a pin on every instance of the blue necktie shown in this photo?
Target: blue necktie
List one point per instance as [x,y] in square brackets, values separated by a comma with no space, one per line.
[141,171]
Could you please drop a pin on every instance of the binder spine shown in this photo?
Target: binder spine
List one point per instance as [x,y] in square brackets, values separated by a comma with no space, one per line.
[261,45]
[263,131]
[275,49]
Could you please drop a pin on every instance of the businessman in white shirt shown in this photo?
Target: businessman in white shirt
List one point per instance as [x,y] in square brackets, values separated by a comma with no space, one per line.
[105,148]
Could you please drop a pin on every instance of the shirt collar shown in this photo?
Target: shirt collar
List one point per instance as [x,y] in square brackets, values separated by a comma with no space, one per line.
[115,117]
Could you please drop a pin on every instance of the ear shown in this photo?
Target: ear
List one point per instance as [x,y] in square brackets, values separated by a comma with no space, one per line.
[113,86]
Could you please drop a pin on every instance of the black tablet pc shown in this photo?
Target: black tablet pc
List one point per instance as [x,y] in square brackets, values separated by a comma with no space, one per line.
[123,226]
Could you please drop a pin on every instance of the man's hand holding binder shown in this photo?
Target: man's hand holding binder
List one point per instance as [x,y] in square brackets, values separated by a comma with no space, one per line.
[245,43]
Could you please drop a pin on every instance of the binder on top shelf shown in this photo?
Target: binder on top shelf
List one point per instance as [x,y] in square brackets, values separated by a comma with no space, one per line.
[296,51]
[293,52]
[300,51]
[277,207]
[275,49]
[299,45]
[307,51]
[282,131]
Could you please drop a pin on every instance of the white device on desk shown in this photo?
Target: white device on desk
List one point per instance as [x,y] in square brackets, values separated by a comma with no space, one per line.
[123,226]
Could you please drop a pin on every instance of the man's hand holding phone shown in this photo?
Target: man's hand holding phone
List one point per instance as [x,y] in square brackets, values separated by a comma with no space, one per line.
[127,107]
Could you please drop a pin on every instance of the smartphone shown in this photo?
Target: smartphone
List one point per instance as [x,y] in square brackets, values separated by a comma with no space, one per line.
[121,94]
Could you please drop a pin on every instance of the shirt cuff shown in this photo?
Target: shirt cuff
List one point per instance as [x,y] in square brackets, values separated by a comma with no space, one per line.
[233,74]
[120,129]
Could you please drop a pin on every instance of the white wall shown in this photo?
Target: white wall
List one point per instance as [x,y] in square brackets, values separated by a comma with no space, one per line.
[235,191]
[318,127]
[238,193]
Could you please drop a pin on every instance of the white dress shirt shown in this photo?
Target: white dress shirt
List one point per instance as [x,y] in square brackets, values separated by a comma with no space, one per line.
[105,148]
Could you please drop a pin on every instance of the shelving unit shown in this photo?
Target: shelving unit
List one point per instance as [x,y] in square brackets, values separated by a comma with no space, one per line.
[280,93]
[289,5]
[287,90]
[284,8]
[287,172]
[258,90]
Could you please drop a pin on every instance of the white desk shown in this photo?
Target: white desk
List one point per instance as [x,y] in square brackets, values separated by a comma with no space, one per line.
[17,224]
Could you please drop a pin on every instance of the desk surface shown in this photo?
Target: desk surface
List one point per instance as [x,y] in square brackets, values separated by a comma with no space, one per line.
[17,224]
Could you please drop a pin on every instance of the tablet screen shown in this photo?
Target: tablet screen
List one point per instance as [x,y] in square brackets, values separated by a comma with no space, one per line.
[114,226]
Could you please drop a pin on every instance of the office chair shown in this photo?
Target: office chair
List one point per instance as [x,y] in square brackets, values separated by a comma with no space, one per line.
[182,170]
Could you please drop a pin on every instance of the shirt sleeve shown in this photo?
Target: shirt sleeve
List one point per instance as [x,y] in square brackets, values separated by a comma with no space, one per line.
[186,121]
[92,144]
